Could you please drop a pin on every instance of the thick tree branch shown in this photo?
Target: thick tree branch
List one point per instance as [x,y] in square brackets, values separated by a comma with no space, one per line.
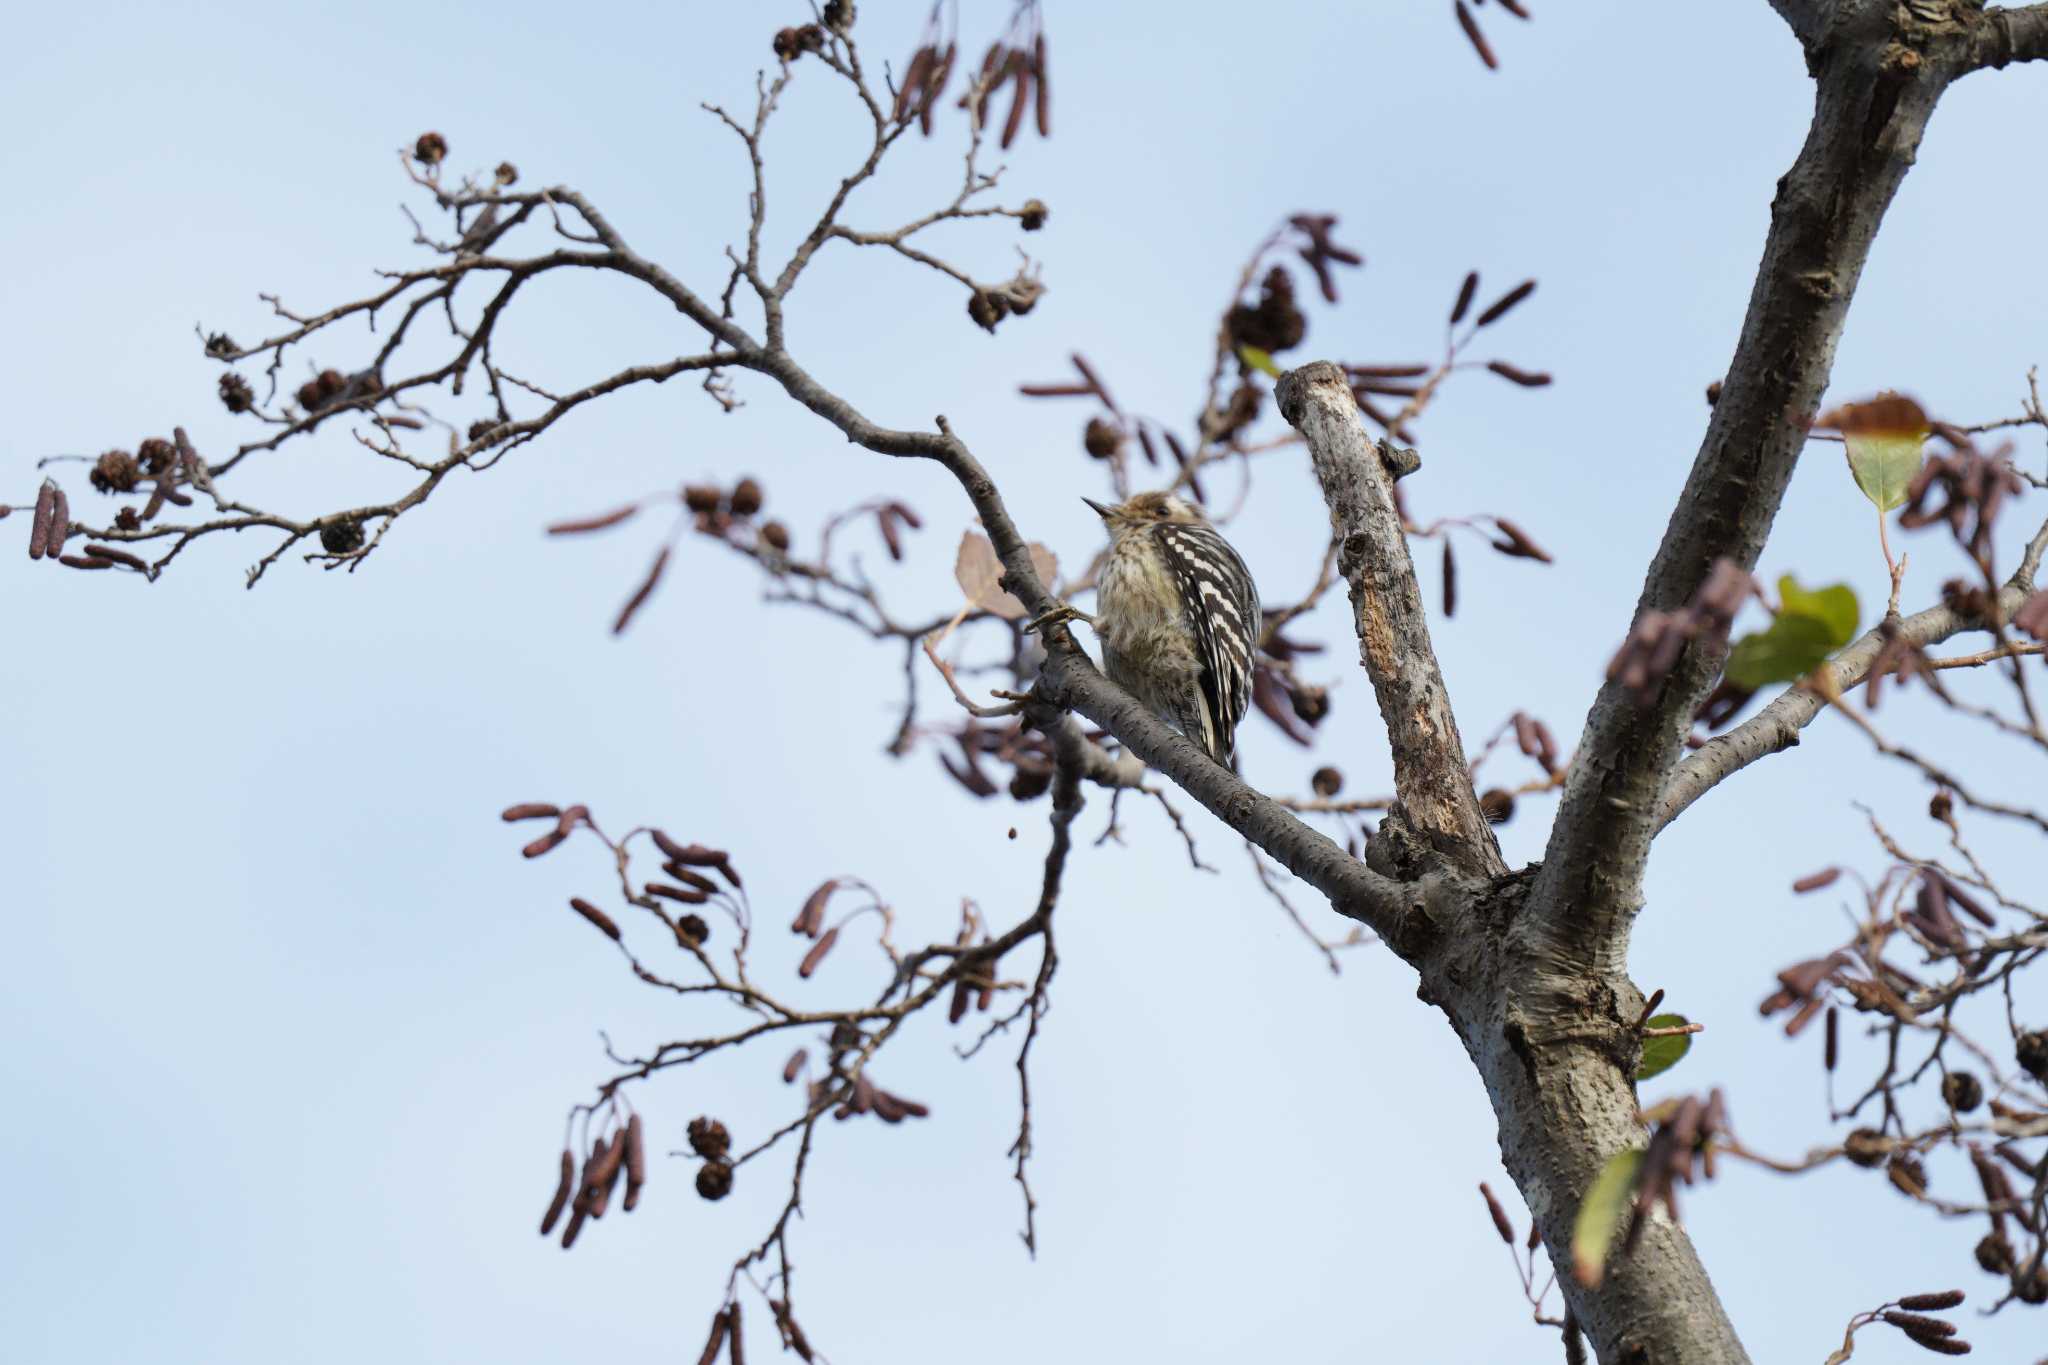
[2003,35]
[1431,778]
[1806,18]
[1874,94]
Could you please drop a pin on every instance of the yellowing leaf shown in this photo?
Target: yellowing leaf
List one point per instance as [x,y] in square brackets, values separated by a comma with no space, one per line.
[1258,360]
[1883,439]
[979,574]
[1600,1215]
[1661,1054]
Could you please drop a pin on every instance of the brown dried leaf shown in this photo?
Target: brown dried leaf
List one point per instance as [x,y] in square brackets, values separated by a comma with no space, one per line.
[979,573]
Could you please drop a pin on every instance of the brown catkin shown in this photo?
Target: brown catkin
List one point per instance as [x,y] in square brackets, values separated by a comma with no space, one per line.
[545,844]
[60,523]
[1450,580]
[714,1343]
[1500,1215]
[596,523]
[1831,1051]
[1038,67]
[817,953]
[1498,309]
[576,1217]
[563,1187]
[604,922]
[810,920]
[641,594]
[636,1163]
[1914,1322]
[1465,293]
[1933,1303]
[1478,39]
[606,1175]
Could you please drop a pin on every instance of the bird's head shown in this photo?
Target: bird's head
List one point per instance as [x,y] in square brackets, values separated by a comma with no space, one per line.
[1147,509]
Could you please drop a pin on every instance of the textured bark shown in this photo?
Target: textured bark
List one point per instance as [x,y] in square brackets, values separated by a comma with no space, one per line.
[1554,1044]
[2010,35]
[1431,779]
[1879,71]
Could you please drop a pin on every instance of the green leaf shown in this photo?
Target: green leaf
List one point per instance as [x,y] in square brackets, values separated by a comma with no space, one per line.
[1835,605]
[1793,647]
[1661,1054]
[1258,360]
[1883,463]
[1601,1214]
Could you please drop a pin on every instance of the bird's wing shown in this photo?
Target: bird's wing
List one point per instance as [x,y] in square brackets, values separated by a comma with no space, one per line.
[1222,610]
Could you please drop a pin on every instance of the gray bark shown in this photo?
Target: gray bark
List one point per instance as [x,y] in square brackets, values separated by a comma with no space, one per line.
[1431,781]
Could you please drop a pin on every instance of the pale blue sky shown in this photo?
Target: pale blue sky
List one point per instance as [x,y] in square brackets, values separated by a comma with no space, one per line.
[291,1026]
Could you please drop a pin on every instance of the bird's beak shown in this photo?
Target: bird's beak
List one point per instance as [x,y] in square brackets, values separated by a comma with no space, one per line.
[1104,512]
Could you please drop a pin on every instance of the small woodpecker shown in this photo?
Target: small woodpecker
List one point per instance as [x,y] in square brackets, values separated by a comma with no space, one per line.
[1179,618]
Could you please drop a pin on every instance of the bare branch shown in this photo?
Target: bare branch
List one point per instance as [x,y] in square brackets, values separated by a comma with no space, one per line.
[1430,774]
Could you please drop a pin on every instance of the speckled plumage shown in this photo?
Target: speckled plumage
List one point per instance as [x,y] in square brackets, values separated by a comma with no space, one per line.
[1179,619]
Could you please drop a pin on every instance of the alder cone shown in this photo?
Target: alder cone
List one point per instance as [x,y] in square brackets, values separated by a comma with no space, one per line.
[714,1180]
[1867,1147]
[1994,1254]
[709,1138]
[2032,1054]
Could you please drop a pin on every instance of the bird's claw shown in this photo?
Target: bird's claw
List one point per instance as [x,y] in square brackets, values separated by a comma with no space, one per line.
[1058,616]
